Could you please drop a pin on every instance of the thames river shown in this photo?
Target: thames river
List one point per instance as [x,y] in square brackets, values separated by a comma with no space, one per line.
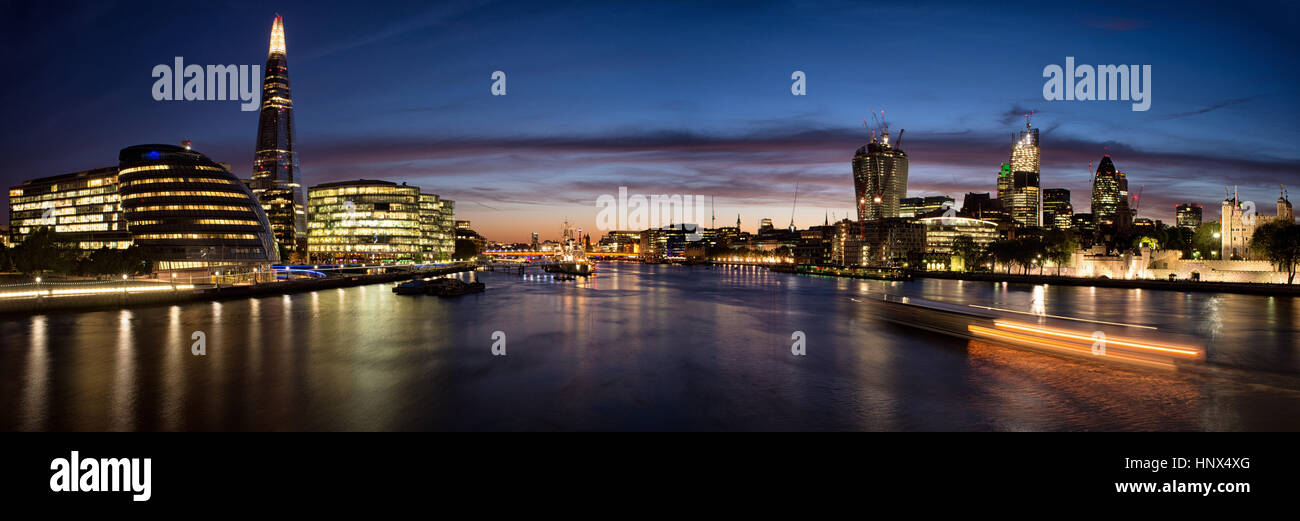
[637,347]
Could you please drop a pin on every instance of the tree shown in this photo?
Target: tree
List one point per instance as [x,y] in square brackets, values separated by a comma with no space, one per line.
[1028,251]
[1204,243]
[972,255]
[1059,247]
[43,251]
[1279,242]
[1003,252]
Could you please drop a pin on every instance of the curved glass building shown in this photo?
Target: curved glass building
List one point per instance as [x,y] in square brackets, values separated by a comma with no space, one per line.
[187,211]
[369,220]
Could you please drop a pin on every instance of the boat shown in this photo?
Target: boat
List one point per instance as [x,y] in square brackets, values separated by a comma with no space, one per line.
[443,287]
[411,287]
[572,258]
[455,288]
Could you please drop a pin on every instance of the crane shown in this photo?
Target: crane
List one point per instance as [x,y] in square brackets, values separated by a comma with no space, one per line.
[1137,201]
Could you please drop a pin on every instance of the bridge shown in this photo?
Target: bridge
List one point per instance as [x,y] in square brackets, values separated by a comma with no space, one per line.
[536,254]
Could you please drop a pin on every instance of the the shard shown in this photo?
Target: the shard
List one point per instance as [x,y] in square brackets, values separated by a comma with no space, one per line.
[276,179]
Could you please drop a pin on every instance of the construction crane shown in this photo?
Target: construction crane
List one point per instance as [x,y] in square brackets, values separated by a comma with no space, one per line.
[1137,201]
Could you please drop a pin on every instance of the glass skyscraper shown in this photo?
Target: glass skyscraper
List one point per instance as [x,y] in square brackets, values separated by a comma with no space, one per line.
[879,178]
[1025,200]
[1057,211]
[276,179]
[1110,196]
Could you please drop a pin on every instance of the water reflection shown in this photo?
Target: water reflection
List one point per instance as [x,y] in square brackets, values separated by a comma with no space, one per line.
[636,347]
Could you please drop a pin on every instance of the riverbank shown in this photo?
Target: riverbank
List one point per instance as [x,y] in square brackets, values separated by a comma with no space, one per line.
[41,301]
[1281,290]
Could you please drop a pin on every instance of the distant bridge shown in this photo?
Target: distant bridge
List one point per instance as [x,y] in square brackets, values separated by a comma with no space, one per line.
[598,255]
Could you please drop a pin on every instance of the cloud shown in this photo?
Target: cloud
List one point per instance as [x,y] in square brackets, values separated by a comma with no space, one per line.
[1216,106]
[761,168]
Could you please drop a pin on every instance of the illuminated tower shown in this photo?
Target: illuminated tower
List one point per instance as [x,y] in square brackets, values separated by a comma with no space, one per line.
[276,179]
[879,178]
[1110,196]
[1004,182]
[1025,200]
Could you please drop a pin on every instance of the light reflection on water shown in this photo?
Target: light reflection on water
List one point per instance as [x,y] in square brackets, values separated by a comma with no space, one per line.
[634,347]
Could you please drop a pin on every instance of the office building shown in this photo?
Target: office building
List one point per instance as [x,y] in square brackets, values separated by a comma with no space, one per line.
[188,211]
[81,208]
[376,221]
[1024,201]
[940,232]
[879,178]
[1058,213]
[1188,215]
[921,206]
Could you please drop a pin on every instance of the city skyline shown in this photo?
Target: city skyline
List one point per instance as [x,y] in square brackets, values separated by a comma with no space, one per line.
[654,118]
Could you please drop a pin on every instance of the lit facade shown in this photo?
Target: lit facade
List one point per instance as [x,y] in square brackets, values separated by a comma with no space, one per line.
[1024,200]
[1057,210]
[276,179]
[614,241]
[879,178]
[918,206]
[1004,182]
[1237,225]
[893,243]
[940,232]
[1110,196]
[187,211]
[369,220]
[667,243]
[1188,215]
[438,238]
[846,244]
[82,208]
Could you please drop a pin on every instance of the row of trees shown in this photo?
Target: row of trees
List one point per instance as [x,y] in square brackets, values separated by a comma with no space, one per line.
[1025,252]
[43,252]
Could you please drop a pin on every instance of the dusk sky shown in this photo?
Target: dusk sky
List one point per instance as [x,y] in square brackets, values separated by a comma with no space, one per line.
[670,98]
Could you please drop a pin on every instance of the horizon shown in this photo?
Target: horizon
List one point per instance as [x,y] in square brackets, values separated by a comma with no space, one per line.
[675,99]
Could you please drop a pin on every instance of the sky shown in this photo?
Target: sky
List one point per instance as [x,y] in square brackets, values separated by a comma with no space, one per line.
[690,98]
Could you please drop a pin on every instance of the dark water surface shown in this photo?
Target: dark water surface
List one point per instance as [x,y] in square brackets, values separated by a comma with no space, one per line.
[635,347]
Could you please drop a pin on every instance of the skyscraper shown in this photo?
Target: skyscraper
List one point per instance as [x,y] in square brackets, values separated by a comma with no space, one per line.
[1057,210]
[879,178]
[1110,196]
[1188,215]
[1004,182]
[276,179]
[1025,201]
